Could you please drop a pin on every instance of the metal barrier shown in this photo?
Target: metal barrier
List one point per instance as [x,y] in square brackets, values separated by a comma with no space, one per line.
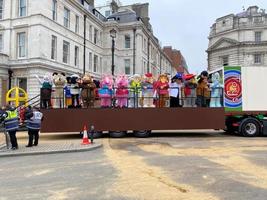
[139,97]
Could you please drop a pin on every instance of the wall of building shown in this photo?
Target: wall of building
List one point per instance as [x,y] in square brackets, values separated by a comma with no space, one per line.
[234,36]
[39,27]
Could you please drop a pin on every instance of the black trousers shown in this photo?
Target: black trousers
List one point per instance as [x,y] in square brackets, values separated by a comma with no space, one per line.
[45,103]
[33,134]
[13,138]
[175,102]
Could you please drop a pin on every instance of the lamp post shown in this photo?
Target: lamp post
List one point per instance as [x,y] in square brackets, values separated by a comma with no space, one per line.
[113,33]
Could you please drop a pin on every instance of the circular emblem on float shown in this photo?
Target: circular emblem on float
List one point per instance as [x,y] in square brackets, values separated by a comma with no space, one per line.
[233,89]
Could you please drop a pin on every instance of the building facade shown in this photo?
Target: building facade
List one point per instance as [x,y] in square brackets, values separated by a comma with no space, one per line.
[178,60]
[71,37]
[239,40]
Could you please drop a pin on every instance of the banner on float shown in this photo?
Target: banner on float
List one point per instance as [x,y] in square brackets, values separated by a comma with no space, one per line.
[232,88]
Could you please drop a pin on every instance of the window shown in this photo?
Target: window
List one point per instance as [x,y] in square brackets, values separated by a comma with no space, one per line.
[54,48]
[1,9]
[66,17]
[145,45]
[100,65]
[22,8]
[90,61]
[76,56]
[66,52]
[22,83]
[1,43]
[257,20]
[107,13]
[127,64]
[90,33]
[257,36]
[127,41]
[95,63]
[101,38]
[144,67]
[21,45]
[95,36]
[77,24]
[225,60]
[54,10]
[257,59]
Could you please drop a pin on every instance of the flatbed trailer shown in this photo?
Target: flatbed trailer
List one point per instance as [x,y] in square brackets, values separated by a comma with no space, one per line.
[142,120]
[244,112]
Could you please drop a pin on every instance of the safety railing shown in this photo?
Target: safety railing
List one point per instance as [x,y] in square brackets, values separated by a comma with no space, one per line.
[139,97]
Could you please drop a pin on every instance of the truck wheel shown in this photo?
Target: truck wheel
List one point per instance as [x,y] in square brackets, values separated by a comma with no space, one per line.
[142,134]
[250,128]
[117,134]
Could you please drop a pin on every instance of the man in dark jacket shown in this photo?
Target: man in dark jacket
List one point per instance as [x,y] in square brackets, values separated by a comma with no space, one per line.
[34,118]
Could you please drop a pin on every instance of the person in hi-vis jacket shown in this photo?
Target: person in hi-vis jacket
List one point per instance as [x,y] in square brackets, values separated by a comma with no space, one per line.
[34,118]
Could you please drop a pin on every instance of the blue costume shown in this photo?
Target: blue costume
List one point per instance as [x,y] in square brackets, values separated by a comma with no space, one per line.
[216,91]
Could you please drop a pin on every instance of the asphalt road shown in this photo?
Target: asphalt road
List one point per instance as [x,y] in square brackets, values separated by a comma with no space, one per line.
[184,165]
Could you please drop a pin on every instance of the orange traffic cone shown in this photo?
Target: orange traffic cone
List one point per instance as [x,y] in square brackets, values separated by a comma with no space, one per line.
[85,136]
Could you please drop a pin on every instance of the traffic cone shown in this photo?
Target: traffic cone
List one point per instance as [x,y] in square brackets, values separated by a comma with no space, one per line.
[85,136]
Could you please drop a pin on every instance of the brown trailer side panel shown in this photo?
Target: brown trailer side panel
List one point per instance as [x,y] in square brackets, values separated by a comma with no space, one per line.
[73,120]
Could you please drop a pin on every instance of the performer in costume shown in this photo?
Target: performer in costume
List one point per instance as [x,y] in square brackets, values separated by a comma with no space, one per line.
[177,91]
[216,90]
[162,87]
[135,91]
[122,91]
[105,91]
[148,90]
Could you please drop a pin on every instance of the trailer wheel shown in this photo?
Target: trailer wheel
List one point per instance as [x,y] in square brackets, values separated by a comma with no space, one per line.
[250,127]
[117,134]
[98,134]
[142,134]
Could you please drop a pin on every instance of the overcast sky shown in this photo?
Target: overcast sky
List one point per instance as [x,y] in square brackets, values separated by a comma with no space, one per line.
[185,24]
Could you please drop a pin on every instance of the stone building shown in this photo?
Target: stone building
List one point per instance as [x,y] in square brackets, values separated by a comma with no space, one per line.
[145,49]
[40,40]
[239,40]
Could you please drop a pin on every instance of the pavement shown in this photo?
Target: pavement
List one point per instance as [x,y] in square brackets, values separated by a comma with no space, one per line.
[182,165]
[48,144]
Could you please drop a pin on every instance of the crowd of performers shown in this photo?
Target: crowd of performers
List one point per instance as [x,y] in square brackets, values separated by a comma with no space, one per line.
[182,90]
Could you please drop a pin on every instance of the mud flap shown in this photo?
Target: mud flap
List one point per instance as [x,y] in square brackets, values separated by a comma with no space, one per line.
[264,122]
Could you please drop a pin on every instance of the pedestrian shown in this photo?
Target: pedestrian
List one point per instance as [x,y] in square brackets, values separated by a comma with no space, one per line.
[2,119]
[34,118]
[11,123]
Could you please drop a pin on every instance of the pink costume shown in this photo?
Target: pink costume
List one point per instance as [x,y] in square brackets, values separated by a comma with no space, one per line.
[122,91]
